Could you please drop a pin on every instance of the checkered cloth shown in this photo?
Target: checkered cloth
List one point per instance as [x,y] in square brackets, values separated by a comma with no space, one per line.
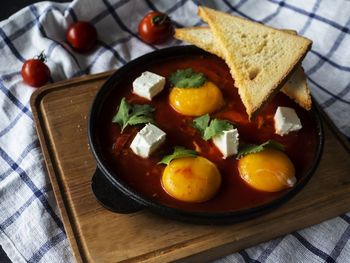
[31,229]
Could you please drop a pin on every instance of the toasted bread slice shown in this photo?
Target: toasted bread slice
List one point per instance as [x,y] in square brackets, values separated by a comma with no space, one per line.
[202,37]
[296,87]
[260,58]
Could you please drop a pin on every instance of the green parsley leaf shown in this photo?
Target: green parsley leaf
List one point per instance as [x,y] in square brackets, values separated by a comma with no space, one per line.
[141,114]
[253,148]
[123,113]
[179,152]
[132,115]
[187,78]
[216,127]
[201,123]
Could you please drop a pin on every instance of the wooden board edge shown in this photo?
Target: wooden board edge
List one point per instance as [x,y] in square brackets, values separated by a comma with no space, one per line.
[39,93]
[35,100]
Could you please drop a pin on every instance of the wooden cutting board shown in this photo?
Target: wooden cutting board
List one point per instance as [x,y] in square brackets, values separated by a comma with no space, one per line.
[95,234]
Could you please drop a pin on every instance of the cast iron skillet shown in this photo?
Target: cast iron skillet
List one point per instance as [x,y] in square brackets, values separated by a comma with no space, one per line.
[116,196]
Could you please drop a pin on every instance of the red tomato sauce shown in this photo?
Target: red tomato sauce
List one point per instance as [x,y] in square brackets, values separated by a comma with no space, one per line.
[144,175]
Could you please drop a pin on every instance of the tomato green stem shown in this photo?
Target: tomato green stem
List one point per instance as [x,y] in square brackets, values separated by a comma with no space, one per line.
[41,57]
[160,19]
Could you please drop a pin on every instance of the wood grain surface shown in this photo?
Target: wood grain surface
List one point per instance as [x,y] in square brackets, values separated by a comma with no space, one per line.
[98,235]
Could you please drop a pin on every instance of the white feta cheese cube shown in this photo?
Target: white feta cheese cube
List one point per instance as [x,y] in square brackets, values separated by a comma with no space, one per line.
[228,142]
[286,120]
[147,140]
[148,85]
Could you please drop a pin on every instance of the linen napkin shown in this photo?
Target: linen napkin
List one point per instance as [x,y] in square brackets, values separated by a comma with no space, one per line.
[31,229]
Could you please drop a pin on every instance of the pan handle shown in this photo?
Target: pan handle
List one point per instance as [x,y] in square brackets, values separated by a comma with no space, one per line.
[111,197]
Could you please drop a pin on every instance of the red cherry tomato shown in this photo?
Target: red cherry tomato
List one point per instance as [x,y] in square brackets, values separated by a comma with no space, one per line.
[155,28]
[82,36]
[35,72]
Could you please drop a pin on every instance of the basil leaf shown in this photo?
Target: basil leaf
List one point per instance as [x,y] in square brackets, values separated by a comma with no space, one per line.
[201,123]
[123,113]
[132,115]
[187,78]
[179,152]
[216,127]
[253,148]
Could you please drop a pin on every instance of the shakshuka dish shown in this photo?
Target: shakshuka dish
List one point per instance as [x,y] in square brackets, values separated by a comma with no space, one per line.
[177,133]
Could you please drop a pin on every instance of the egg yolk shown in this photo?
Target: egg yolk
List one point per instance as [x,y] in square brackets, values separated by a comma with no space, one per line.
[191,179]
[196,101]
[269,170]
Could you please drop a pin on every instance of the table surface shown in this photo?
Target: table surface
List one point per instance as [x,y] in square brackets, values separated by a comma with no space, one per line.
[9,7]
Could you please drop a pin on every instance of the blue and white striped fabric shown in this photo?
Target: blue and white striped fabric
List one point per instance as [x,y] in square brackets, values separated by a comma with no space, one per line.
[31,229]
